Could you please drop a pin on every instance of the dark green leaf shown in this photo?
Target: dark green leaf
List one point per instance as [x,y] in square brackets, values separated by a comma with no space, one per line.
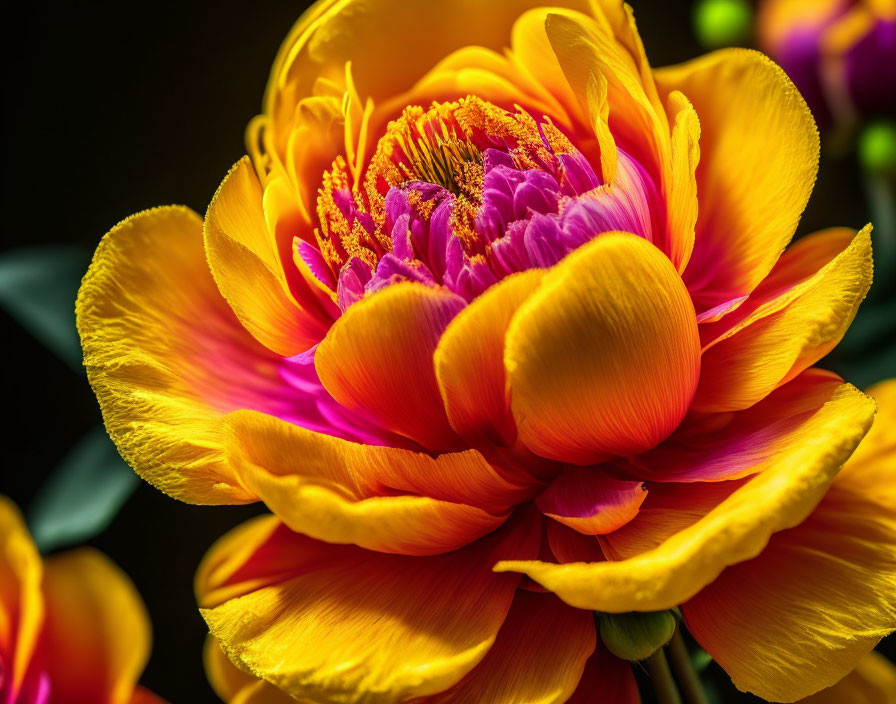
[82,495]
[38,286]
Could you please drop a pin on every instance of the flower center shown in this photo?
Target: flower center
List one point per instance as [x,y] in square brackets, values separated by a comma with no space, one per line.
[459,195]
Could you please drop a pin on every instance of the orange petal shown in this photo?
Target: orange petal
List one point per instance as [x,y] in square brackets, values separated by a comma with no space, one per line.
[791,321]
[249,268]
[602,358]
[377,359]
[96,638]
[589,501]
[142,695]
[606,679]
[724,446]
[469,362]
[538,656]
[21,602]
[326,621]
[682,195]
[818,597]
[380,498]
[736,530]
[167,357]
[758,160]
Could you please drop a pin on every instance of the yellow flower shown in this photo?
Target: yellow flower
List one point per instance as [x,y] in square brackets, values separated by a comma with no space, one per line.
[72,627]
[496,321]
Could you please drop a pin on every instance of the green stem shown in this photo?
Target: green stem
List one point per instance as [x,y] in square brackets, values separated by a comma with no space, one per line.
[684,671]
[661,677]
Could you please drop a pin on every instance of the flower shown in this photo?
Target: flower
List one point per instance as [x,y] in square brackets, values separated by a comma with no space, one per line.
[72,627]
[496,322]
[837,52]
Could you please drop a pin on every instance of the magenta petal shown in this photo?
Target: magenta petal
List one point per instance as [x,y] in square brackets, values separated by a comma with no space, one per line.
[589,501]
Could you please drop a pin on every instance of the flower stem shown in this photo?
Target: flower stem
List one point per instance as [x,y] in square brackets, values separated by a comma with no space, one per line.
[684,671]
[661,677]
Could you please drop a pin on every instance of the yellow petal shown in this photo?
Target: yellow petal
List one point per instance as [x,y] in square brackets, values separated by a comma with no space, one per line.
[21,602]
[97,632]
[603,358]
[234,686]
[469,362]
[538,657]
[787,332]
[344,492]
[816,600]
[377,360]
[339,623]
[248,266]
[166,356]
[872,682]
[682,200]
[736,530]
[758,160]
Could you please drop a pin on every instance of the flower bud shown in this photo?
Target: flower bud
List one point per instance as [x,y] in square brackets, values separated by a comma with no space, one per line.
[636,635]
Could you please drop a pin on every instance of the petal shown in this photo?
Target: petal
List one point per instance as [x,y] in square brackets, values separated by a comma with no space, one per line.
[248,266]
[21,603]
[724,446]
[872,682]
[803,614]
[344,492]
[759,157]
[233,685]
[142,695]
[606,679]
[469,362]
[538,656]
[682,200]
[328,622]
[795,319]
[734,531]
[586,499]
[377,359]
[602,358]
[166,356]
[96,638]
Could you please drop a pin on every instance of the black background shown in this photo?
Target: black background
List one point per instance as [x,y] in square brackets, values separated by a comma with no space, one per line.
[111,110]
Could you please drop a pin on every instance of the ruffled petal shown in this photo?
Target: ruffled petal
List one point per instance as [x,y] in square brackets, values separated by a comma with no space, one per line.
[602,359]
[538,656]
[96,638]
[759,157]
[167,357]
[804,613]
[380,498]
[469,362]
[249,267]
[589,501]
[329,622]
[724,446]
[21,602]
[790,322]
[236,686]
[377,359]
[737,529]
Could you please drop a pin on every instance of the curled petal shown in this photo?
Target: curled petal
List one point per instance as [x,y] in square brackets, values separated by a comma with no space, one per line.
[758,160]
[791,321]
[610,336]
[818,598]
[735,530]
[592,503]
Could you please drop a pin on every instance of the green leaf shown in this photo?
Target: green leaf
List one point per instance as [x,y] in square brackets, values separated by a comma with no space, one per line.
[636,635]
[38,287]
[719,23]
[82,495]
[700,660]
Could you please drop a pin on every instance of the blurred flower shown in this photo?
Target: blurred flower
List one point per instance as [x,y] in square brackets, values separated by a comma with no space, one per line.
[72,627]
[462,326]
[872,682]
[840,54]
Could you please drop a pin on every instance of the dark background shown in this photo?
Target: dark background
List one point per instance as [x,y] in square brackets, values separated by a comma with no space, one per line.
[111,110]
